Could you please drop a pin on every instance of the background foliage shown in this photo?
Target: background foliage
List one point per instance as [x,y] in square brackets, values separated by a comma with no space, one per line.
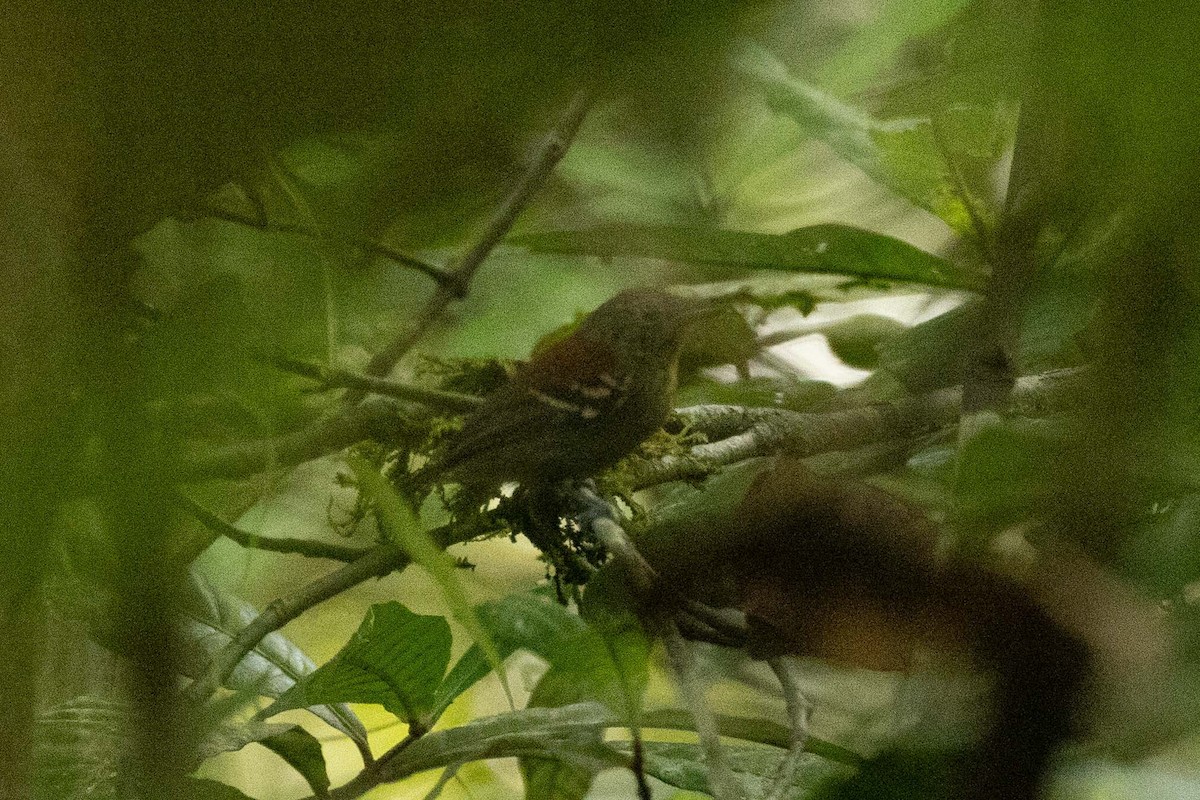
[211,209]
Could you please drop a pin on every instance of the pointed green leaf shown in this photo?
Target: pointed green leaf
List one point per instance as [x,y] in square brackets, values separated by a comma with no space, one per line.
[302,751]
[530,622]
[833,249]
[902,154]
[396,659]
[231,737]
[83,745]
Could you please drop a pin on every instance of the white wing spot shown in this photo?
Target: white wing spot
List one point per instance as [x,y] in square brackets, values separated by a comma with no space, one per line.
[595,392]
[553,401]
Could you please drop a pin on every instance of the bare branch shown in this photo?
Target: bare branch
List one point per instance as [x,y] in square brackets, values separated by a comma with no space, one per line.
[369,246]
[531,181]
[309,548]
[331,377]
[799,434]
[329,435]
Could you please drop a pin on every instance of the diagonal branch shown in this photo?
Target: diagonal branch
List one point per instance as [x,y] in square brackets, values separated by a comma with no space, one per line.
[368,246]
[377,562]
[328,435]
[766,431]
[310,548]
[741,433]
[530,182]
[331,377]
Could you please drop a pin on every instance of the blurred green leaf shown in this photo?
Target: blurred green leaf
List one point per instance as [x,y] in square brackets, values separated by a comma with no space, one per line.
[837,249]
[903,154]
[856,340]
[874,45]
[231,737]
[548,779]
[83,747]
[799,290]
[292,743]
[619,179]
[396,659]
[212,617]
[1162,553]
[402,527]
[726,338]
[1005,469]
[897,775]
[206,789]
[930,355]
[222,293]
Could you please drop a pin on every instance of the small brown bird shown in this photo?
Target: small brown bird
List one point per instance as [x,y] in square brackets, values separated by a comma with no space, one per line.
[581,404]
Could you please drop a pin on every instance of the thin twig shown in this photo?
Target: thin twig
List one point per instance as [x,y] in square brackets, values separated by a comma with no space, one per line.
[369,246]
[799,712]
[334,377]
[447,775]
[721,782]
[309,548]
[530,182]
[376,418]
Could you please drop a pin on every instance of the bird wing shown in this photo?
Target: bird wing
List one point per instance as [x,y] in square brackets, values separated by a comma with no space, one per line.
[577,376]
[568,387]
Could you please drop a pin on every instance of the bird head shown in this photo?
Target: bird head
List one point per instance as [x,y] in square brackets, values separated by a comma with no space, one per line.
[646,323]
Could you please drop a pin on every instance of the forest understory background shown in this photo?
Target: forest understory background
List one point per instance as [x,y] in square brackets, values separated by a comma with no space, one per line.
[260,263]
